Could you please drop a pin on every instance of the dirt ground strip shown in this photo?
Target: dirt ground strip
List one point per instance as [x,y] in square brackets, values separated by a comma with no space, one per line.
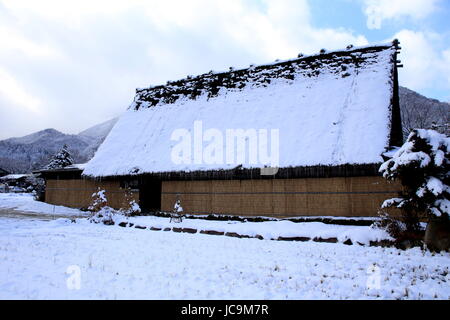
[17,214]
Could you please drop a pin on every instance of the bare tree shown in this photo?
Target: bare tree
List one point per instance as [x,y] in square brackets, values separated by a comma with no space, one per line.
[418,111]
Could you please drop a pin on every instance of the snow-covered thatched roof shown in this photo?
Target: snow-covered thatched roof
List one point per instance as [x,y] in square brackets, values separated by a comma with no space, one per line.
[15,177]
[331,109]
[69,168]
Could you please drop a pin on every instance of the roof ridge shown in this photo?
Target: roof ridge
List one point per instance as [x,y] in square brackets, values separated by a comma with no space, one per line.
[349,49]
[211,82]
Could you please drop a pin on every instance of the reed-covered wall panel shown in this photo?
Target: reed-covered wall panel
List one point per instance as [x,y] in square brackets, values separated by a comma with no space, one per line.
[77,193]
[339,196]
[342,196]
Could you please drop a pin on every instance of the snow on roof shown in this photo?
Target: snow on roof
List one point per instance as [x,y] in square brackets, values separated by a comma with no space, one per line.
[72,167]
[333,108]
[76,166]
[14,176]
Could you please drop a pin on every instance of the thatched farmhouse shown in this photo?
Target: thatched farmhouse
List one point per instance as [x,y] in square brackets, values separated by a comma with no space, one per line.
[302,137]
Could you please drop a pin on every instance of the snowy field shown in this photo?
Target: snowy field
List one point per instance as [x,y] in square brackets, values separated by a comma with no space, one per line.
[25,203]
[52,259]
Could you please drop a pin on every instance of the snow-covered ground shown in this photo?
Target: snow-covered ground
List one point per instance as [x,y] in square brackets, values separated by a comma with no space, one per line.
[24,202]
[59,259]
[269,229]
[43,259]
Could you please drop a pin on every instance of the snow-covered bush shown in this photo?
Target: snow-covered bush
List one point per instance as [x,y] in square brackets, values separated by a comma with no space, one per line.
[422,166]
[105,215]
[177,213]
[100,211]
[177,208]
[36,187]
[60,160]
[395,228]
[130,207]
[98,200]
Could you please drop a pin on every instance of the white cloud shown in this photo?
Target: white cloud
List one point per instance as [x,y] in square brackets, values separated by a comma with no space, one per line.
[378,11]
[275,29]
[12,91]
[84,58]
[70,13]
[446,64]
[425,65]
[13,42]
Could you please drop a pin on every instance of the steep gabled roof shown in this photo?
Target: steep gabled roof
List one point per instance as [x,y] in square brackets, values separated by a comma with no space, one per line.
[331,109]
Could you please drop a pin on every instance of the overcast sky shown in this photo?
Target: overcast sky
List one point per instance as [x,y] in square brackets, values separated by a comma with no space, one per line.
[71,64]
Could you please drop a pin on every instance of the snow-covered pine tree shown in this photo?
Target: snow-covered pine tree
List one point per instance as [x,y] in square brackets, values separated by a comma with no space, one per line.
[422,165]
[60,159]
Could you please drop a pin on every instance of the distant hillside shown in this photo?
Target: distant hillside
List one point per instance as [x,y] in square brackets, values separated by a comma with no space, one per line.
[31,152]
[422,112]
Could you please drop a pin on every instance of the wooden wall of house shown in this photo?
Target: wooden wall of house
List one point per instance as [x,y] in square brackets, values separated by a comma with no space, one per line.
[343,196]
[347,197]
[77,193]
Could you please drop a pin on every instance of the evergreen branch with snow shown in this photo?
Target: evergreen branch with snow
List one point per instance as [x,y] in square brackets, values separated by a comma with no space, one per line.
[422,165]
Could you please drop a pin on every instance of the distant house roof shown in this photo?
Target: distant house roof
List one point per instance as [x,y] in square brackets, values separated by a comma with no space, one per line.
[331,109]
[73,167]
[73,170]
[80,166]
[14,177]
